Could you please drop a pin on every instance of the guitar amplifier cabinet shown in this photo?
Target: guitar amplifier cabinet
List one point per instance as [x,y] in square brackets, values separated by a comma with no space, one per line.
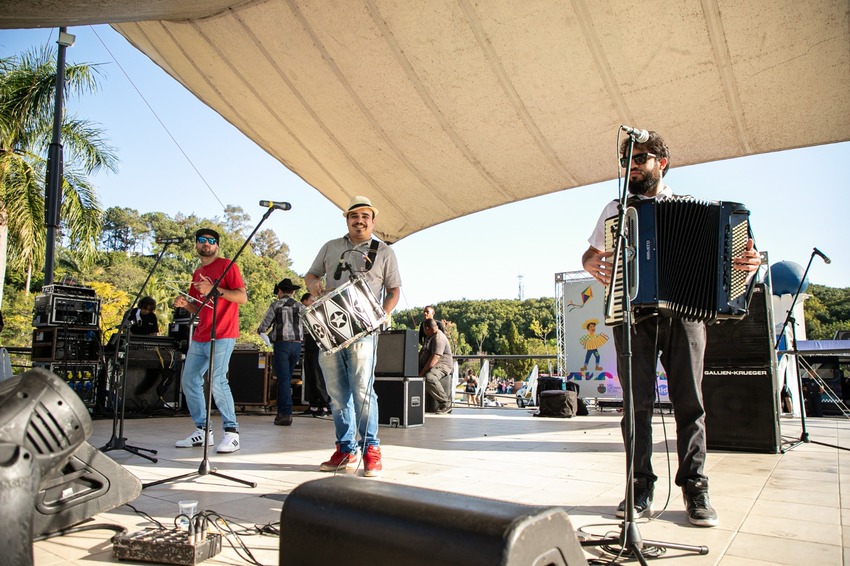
[398,353]
[248,374]
[401,401]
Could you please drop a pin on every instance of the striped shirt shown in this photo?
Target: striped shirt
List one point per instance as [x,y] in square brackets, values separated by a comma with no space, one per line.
[283,316]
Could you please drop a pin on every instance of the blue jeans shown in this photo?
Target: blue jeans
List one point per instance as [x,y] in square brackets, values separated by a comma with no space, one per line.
[286,356]
[350,376]
[196,366]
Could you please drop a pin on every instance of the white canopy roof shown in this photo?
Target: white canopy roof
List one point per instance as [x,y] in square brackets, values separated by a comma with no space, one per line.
[436,109]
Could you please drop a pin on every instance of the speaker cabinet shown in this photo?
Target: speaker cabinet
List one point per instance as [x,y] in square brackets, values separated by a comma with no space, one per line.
[150,389]
[739,386]
[747,342]
[88,484]
[398,353]
[400,401]
[248,375]
[380,523]
[740,410]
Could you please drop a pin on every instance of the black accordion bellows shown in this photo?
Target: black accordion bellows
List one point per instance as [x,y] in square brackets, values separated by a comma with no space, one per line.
[682,260]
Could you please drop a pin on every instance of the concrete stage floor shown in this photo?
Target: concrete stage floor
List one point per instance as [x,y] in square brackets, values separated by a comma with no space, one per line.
[791,508]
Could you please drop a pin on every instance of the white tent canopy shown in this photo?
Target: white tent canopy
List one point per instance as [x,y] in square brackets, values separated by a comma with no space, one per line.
[436,109]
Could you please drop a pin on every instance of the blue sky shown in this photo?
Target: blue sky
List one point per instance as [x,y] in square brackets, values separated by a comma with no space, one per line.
[798,198]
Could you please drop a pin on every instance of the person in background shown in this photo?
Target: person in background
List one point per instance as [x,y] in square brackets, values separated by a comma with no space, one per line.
[429,313]
[315,390]
[471,387]
[231,294]
[435,362]
[284,317]
[142,319]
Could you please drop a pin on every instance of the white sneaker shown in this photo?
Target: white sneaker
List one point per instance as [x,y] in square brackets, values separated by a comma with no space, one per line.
[230,443]
[194,439]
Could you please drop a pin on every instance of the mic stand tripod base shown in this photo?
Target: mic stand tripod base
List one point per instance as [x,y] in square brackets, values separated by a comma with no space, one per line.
[203,470]
[634,546]
[120,443]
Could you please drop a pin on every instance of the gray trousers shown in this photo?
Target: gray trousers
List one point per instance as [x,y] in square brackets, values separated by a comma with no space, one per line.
[434,387]
[681,345]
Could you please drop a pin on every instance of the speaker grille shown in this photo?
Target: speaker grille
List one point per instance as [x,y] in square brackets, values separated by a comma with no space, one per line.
[397,354]
[739,390]
[740,411]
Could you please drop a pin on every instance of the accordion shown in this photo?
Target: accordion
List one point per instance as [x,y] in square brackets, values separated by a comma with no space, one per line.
[679,264]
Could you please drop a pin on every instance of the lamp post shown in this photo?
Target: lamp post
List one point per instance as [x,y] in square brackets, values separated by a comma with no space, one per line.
[53,190]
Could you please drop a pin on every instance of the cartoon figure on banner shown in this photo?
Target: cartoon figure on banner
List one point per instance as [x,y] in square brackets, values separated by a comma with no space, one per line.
[592,342]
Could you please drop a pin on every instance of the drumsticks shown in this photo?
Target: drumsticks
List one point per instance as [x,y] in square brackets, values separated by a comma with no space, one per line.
[173,285]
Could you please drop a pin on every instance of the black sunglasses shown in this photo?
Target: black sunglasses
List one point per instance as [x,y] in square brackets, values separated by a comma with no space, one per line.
[206,240]
[639,158]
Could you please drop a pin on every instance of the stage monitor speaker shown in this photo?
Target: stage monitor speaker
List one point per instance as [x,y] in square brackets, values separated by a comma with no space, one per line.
[89,483]
[398,354]
[747,342]
[248,374]
[377,523]
[740,410]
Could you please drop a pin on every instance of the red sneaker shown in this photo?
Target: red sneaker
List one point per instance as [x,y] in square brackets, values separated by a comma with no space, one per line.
[341,462]
[372,467]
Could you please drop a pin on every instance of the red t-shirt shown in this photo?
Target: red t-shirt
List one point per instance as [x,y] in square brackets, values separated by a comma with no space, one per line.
[227,313]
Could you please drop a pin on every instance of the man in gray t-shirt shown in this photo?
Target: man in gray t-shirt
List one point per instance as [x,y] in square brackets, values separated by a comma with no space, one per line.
[435,362]
[350,372]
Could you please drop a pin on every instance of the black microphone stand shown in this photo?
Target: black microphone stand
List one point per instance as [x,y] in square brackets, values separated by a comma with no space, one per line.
[118,441]
[789,319]
[204,469]
[629,538]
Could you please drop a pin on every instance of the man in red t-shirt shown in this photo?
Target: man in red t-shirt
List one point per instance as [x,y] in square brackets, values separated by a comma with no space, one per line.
[231,294]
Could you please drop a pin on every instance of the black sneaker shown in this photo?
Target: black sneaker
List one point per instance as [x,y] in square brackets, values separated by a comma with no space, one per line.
[644,491]
[700,511]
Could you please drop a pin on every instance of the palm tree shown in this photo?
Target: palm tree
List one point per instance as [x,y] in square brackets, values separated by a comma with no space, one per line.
[27,98]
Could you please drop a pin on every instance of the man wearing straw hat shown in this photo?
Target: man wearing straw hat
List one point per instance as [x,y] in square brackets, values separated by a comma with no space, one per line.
[350,372]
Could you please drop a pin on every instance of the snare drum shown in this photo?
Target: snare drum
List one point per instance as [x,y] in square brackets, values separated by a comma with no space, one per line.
[344,315]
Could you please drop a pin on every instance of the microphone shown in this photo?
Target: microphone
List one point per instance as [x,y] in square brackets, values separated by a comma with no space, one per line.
[822,255]
[175,240]
[641,136]
[275,205]
[340,266]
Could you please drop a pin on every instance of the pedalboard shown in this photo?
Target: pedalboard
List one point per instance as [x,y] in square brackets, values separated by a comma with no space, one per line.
[165,546]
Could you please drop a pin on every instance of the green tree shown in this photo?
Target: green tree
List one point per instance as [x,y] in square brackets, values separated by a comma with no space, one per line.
[479,334]
[27,100]
[124,230]
[826,311]
[541,331]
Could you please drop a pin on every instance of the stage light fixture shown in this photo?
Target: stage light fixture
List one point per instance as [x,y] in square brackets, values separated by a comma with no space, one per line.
[42,423]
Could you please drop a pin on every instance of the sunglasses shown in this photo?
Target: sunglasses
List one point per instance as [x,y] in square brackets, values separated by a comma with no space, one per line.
[639,158]
[206,240]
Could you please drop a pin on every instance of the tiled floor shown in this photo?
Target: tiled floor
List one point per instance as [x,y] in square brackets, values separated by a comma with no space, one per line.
[789,508]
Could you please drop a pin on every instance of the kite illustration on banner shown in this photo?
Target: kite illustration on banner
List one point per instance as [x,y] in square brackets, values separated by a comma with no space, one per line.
[586,295]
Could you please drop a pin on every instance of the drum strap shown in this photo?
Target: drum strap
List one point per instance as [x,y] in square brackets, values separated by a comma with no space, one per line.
[373,251]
